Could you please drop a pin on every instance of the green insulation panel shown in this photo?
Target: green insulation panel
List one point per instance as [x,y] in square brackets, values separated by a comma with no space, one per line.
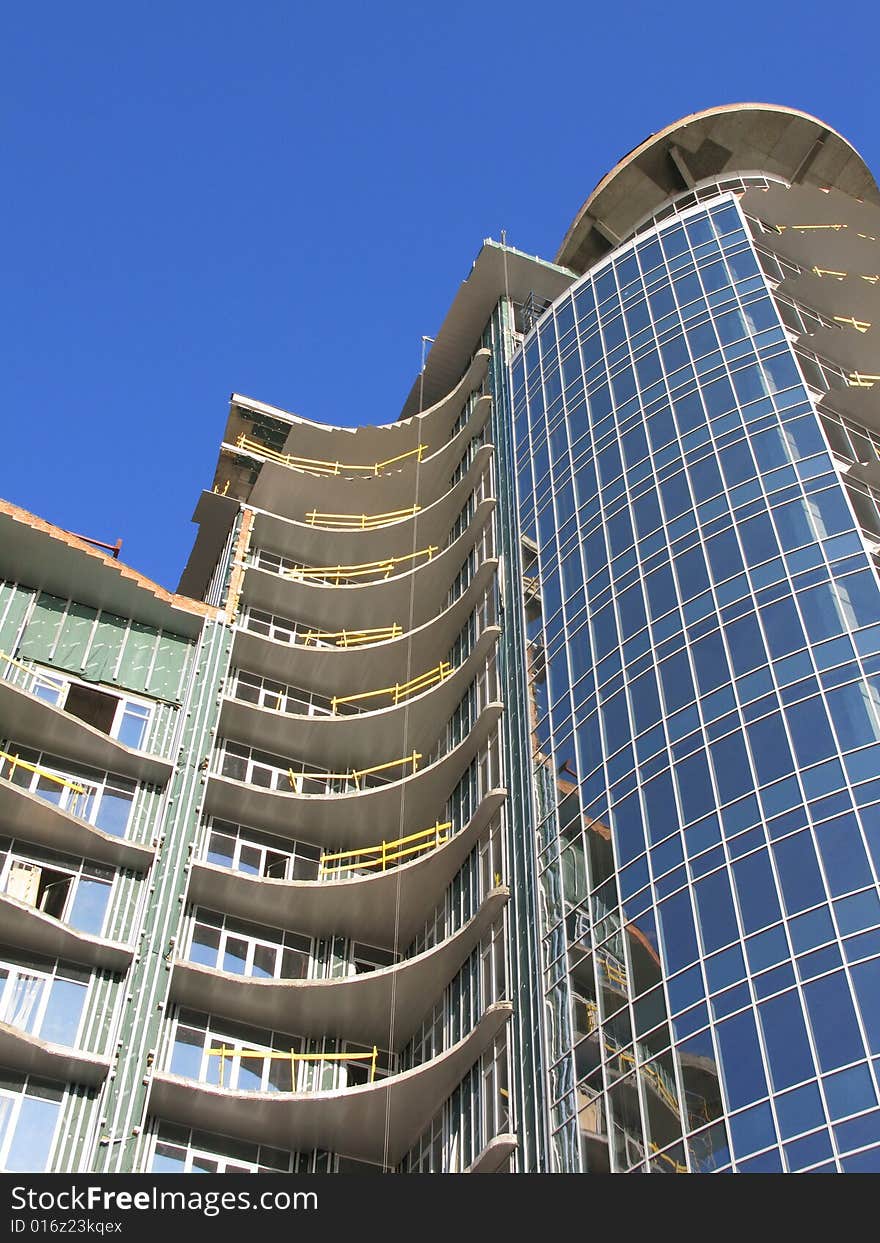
[14,602]
[101,647]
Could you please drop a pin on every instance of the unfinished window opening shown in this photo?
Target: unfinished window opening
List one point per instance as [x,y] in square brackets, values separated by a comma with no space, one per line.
[367,958]
[275,865]
[40,887]
[92,706]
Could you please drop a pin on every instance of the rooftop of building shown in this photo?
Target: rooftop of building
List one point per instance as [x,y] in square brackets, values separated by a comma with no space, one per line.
[45,556]
[730,140]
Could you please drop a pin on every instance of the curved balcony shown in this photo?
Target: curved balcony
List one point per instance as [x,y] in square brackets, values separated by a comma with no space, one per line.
[400,485]
[354,819]
[857,352]
[340,670]
[32,1056]
[356,741]
[42,725]
[330,607]
[308,539]
[26,816]
[496,1154]
[845,298]
[29,929]
[354,1007]
[363,908]
[830,248]
[353,1122]
[789,207]
[368,442]
[862,405]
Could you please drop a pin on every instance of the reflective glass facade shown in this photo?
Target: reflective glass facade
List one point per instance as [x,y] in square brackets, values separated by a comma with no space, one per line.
[705,723]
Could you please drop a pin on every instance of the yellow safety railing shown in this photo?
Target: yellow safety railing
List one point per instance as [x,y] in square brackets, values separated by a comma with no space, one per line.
[44,678]
[354,638]
[319,467]
[872,279]
[648,1071]
[15,761]
[400,691]
[354,774]
[669,1160]
[858,380]
[386,852]
[358,522]
[861,325]
[225,1052]
[380,569]
[801,228]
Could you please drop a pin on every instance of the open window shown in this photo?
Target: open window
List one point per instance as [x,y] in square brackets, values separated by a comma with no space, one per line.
[126,720]
[92,706]
[366,958]
[45,889]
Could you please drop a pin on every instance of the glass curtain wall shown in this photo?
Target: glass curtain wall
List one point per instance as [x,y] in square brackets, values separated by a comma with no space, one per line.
[711,632]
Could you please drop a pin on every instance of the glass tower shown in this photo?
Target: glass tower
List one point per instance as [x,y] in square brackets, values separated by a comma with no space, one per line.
[705,702]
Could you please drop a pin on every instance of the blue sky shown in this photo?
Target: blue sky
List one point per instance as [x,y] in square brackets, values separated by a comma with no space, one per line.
[280,198]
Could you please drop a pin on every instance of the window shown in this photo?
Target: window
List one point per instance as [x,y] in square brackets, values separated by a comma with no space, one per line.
[181,1151]
[78,897]
[126,720]
[260,854]
[29,1110]
[247,949]
[47,1004]
[103,799]
[242,1069]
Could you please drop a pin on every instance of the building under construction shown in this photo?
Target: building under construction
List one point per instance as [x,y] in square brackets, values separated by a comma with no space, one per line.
[500,791]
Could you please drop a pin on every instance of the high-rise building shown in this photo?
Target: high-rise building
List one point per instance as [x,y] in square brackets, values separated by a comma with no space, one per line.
[501,789]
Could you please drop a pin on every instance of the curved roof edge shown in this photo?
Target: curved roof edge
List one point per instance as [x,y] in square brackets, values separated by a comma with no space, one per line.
[722,141]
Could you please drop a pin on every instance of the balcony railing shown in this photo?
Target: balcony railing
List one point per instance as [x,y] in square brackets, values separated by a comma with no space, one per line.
[379,857]
[338,575]
[262,771]
[72,795]
[283,630]
[355,778]
[359,522]
[29,679]
[400,690]
[316,466]
[223,1053]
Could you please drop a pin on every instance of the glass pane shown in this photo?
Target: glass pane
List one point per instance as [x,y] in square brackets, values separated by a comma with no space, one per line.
[250,860]
[63,1011]
[280,1078]
[49,692]
[221,849]
[250,1074]
[21,1001]
[265,957]
[294,965]
[186,1058]
[133,726]
[90,906]
[168,1160]
[205,944]
[114,810]
[47,789]
[235,956]
[32,1142]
